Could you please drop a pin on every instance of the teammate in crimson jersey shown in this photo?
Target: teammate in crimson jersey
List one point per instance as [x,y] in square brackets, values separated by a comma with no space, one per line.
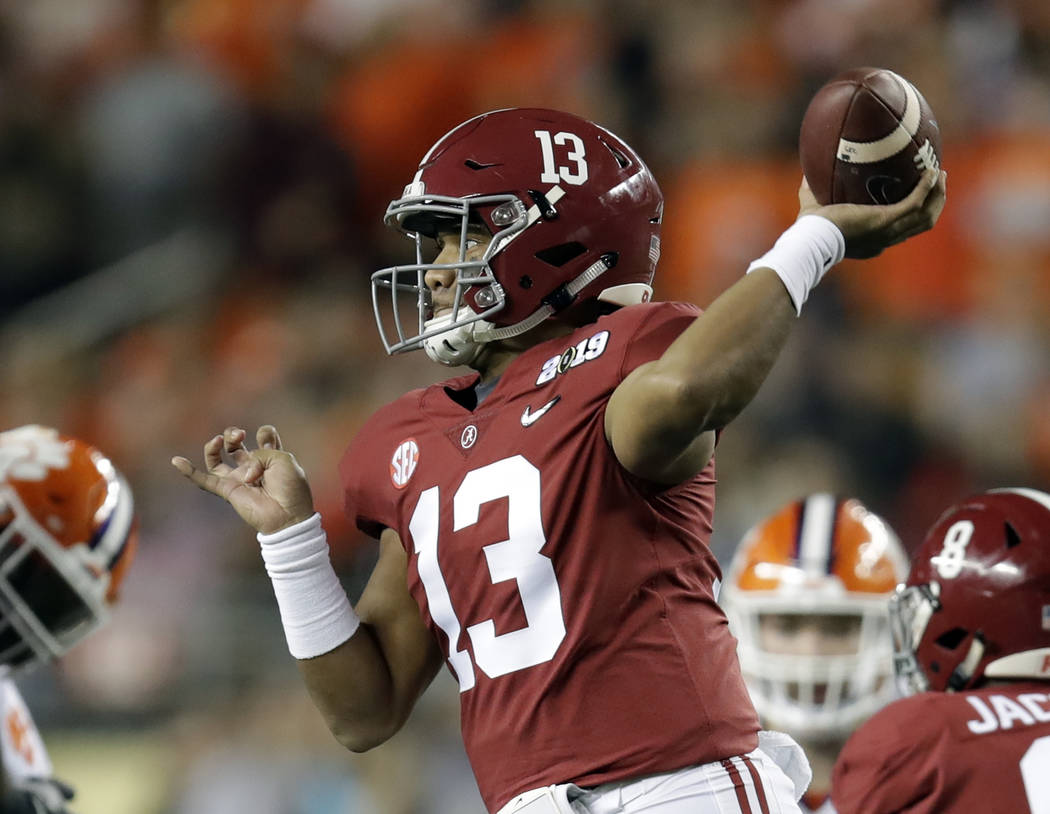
[806,596]
[544,520]
[971,630]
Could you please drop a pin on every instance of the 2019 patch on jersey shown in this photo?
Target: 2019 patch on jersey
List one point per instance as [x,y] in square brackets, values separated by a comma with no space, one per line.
[585,350]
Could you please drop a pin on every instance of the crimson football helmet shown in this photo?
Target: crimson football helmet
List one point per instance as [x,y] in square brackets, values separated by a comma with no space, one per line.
[573,212]
[67,535]
[977,601]
[825,562]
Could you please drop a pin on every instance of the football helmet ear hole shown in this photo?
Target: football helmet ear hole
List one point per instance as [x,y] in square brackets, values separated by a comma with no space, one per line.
[621,159]
[561,254]
[951,639]
[1012,537]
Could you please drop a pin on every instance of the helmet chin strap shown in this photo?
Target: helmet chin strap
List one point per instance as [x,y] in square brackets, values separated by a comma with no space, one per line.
[462,344]
[487,332]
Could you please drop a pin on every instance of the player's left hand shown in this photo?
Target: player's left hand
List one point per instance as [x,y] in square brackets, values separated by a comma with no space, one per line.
[868,229]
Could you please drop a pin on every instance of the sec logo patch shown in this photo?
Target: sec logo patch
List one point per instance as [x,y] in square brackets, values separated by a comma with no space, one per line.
[404,462]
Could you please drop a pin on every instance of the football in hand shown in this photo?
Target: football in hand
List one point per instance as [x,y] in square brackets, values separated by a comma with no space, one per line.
[867,137]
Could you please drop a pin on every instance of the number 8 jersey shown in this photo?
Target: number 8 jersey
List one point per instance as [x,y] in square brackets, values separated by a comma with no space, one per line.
[575,602]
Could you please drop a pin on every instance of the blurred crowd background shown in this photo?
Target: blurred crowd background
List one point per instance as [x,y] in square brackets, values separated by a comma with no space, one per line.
[191,195]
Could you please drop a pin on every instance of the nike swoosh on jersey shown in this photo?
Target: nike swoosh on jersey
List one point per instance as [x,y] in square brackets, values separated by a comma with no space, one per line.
[528,417]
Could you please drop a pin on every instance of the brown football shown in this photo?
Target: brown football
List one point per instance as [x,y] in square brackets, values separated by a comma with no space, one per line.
[867,137]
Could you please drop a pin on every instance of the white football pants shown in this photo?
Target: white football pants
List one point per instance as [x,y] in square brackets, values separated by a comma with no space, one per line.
[754,783]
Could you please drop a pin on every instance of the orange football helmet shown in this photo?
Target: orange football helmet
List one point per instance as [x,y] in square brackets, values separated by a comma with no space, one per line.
[67,534]
[835,564]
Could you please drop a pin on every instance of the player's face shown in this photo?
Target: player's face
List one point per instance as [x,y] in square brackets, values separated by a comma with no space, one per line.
[810,634]
[451,249]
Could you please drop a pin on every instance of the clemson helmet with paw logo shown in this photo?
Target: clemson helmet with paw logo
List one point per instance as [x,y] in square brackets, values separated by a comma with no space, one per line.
[830,563]
[68,532]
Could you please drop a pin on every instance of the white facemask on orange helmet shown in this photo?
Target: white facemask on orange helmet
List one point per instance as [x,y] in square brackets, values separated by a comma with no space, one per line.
[834,563]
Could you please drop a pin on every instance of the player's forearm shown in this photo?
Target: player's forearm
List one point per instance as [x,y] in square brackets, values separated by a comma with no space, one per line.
[345,670]
[365,683]
[359,696]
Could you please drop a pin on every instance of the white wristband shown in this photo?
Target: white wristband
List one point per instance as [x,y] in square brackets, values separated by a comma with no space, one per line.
[803,255]
[316,615]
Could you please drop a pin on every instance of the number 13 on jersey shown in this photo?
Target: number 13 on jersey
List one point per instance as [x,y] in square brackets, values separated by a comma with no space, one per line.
[518,558]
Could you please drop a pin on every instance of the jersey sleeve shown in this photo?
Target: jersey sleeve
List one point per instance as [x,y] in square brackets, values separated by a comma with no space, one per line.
[358,505]
[660,324]
[364,470]
[884,767]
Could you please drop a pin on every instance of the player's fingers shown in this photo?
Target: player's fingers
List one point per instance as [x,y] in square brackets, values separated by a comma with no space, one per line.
[917,197]
[205,480]
[233,443]
[934,203]
[213,456]
[910,206]
[910,219]
[267,437]
[253,472]
[806,199]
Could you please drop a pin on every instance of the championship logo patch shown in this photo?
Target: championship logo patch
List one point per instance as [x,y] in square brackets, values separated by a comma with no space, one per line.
[583,351]
[404,462]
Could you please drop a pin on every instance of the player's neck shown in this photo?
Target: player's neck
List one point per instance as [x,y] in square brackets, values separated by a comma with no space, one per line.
[496,357]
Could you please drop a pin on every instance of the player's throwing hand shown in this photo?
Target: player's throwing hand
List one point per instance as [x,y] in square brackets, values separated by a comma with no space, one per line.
[868,229]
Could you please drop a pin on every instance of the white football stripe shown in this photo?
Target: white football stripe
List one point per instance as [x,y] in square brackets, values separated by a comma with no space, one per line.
[818,522]
[1039,497]
[868,152]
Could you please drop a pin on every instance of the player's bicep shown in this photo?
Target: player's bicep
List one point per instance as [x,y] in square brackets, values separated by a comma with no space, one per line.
[648,426]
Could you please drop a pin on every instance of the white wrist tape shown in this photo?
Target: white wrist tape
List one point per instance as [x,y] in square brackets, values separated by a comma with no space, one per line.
[803,255]
[315,612]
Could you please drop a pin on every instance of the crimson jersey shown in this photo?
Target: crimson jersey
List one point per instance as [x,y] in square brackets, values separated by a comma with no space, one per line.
[984,750]
[575,602]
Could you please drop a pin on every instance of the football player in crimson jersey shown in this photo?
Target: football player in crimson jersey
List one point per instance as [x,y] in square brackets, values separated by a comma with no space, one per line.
[544,518]
[806,596]
[67,536]
[971,630]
